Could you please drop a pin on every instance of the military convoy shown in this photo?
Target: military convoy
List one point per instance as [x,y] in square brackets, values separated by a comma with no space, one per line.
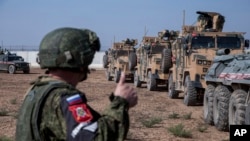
[209,66]
[11,62]
[120,57]
[154,59]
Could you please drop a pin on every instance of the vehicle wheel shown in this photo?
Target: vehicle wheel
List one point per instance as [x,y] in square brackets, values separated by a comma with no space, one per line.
[190,93]
[117,75]
[151,83]
[237,107]
[208,104]
[172,93]
[137,81]
[132,62]
[108,77]
[26,71]
[166,62]
[247,115]
[105,61]
[11,69]
[220,107]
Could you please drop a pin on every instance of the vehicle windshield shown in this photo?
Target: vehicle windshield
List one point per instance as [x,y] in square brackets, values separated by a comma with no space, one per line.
[203,42]
[228,42]
[15,58]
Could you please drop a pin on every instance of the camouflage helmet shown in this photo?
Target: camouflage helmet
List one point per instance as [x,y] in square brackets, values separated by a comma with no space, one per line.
[69,48]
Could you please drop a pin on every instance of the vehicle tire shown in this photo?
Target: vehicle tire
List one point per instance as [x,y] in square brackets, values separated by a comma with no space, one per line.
[108,77]
[247,115]
[237,107]
[166,62]
[220,107]
[11,69]
[105,61]
[190,93]
[172,93]
[132,61]
[151,83]
[208,104]
[117,75]
[137,82]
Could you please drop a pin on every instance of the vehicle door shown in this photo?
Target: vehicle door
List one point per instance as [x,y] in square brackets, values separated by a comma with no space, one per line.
[4,63]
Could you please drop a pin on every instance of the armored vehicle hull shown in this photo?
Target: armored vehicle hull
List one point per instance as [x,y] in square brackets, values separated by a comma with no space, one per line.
[120,58]
[154,59]
[12,63]
[228,94]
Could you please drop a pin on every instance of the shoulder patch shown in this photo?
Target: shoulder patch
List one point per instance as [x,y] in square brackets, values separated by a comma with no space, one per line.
[81,113]
[75,99]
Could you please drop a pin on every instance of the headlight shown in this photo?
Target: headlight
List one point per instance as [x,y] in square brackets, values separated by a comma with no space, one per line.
[204,62]
[199,62]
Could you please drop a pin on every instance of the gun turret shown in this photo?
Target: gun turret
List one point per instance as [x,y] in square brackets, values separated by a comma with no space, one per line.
[223,52]
[170,35]
[210,21]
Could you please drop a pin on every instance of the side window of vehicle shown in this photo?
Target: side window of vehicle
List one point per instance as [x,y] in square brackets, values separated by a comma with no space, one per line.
[2,58]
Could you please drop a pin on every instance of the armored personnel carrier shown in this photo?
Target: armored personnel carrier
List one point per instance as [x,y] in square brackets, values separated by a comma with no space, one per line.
[11,62]
[120,57]
[193,54]
[227,94]
[154,59]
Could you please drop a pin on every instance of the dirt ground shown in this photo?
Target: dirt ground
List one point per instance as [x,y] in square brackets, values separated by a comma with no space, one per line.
[151,106]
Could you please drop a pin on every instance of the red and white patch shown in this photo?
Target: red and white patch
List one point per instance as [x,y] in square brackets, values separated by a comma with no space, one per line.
[81,113]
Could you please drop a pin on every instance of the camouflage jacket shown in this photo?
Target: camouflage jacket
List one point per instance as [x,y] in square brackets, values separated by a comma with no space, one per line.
[65,115]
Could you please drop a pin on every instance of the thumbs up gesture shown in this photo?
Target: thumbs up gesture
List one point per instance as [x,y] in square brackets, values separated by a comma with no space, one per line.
[125,91]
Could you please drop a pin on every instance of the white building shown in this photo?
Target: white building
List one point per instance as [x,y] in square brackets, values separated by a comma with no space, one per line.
[30,56]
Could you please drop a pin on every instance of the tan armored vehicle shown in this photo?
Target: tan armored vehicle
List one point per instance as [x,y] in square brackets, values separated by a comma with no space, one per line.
[154,60]
[193,53]
[120,57]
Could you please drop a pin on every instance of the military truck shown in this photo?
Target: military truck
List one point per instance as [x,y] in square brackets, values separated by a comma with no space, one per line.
[228,92]
[193,54]
[11,62]
[120,57]
[154,59]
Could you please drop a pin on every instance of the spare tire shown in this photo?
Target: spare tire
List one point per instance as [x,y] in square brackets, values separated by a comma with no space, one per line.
[132,60]
[105,61]
[166,62]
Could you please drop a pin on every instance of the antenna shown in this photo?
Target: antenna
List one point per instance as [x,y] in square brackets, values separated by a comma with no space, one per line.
[145,31]
[183,18]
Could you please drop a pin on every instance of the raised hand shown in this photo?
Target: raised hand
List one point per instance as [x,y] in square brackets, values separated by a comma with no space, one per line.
[125,91]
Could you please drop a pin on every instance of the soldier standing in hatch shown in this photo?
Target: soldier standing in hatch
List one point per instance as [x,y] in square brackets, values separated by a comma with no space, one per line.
[54,109]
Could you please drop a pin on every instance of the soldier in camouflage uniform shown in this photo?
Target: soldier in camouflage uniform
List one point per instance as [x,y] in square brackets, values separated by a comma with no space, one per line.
[53,109]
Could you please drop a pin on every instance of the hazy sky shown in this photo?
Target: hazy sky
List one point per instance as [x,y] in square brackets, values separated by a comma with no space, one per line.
[25,22]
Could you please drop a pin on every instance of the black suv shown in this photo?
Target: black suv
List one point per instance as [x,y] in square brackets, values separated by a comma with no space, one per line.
[11,63]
